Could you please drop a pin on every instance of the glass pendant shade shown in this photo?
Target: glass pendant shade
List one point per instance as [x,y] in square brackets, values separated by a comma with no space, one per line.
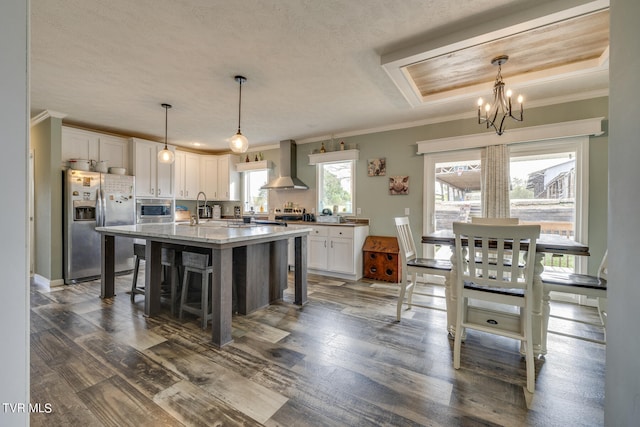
[165,155]
[239,143]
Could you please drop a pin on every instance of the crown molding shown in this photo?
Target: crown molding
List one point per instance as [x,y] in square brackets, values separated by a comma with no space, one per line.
[46,114]
[585,127]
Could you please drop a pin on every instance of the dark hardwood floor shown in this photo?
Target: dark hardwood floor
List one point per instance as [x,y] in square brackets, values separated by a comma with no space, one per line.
[341,360]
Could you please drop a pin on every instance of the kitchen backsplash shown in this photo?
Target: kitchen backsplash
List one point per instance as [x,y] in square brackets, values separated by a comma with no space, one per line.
[302,198]
[277,199]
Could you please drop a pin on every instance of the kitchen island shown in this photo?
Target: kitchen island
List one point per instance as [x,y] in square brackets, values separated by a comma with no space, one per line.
[252,257]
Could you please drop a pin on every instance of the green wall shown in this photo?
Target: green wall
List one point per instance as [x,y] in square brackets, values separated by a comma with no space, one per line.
[399,148]
[46,142]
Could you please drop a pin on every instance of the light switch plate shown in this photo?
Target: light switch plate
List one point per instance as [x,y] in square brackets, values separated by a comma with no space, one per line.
[358,211]
[407,211]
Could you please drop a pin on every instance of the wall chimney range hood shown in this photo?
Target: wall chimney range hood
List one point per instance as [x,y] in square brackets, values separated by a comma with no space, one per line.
[288,170]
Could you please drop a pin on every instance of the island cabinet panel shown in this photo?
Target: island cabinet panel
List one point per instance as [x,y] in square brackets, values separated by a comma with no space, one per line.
[252,264]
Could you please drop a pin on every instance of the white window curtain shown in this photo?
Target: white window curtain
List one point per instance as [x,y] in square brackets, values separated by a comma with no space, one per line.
[495,182]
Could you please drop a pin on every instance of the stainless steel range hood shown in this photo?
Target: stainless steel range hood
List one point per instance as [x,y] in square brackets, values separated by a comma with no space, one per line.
[288,170]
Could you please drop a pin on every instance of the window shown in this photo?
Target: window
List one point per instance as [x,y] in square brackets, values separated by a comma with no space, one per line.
[336,186]
[548,186]
[457,194]
[254,198]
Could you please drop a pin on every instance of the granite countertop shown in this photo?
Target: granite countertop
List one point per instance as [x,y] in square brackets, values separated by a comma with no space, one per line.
[348,221]
[332,224]
[209,233]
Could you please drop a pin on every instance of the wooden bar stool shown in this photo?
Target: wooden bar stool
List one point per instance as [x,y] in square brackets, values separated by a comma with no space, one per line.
[196,263]
[171,260]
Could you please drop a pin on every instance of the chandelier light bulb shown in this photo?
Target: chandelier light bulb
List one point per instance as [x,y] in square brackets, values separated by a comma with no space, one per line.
[520,99]
[480,102]
[509,93]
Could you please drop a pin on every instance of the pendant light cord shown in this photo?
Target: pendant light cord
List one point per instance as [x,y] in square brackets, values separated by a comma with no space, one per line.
[166,120]
[239,103]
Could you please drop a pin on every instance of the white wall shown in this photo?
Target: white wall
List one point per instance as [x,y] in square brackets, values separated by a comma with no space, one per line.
[622,391]
[14,125]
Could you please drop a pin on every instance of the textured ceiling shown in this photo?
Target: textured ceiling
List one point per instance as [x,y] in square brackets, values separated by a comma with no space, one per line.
[314,68]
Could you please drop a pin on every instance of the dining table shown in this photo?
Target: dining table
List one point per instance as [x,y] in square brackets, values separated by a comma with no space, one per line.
[251,258]
[545,244]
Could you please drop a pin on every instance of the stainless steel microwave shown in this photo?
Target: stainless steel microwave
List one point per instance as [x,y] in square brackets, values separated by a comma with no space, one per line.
[154,211]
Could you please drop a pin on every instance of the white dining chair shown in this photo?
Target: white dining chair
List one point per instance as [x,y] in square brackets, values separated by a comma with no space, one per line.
[579,284]
[494,221]
[501,284]
[411,265]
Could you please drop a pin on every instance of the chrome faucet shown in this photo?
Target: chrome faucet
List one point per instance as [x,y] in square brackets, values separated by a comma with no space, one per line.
[198,206]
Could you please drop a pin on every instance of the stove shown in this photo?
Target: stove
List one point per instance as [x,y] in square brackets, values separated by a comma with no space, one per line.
[289,214]
[288,217]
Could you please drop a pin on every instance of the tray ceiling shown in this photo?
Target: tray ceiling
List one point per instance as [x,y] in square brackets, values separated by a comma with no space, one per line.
[561,46]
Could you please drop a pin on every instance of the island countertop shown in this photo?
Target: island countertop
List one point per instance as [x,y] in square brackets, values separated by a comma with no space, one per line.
[203,233]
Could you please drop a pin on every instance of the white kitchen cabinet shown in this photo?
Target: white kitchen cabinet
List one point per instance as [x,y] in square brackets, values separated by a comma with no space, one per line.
[85,144]
[179,169]
[218,177]
[187,171]
[317,245]
[334,250]
[115,151]
[340,253]
[153,179]
[209,176]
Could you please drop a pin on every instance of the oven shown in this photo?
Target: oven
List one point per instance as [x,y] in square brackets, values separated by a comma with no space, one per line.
[154,211]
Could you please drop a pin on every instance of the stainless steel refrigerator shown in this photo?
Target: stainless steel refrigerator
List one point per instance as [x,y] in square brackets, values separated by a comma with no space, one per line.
[94,199]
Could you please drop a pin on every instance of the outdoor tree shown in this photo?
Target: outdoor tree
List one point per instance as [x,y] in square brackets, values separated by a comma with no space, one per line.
[519,190]
[334,194]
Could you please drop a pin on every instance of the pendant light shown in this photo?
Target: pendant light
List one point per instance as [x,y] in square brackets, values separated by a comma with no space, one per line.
[166,155]
[239,143]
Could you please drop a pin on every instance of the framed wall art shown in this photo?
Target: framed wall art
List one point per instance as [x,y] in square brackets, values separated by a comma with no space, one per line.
[398,185]
[377,167]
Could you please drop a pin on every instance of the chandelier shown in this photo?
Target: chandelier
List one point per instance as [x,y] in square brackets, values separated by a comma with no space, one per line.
[239,142]
[495,114]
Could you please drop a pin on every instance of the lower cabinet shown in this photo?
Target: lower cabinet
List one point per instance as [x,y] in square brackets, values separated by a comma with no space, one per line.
[335,250]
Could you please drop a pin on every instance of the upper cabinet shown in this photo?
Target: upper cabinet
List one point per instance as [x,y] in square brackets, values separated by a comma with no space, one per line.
[89,145]
[153,179]
[218,177]
[187,175]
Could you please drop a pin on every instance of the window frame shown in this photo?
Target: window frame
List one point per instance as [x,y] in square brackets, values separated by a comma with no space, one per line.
[578,144]
[320,183]
[245,188]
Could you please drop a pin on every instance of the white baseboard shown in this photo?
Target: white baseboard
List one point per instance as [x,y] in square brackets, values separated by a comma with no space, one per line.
[43,281]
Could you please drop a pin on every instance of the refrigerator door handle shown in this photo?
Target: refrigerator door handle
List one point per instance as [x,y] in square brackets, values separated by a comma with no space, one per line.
[99,216]
[103,208]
